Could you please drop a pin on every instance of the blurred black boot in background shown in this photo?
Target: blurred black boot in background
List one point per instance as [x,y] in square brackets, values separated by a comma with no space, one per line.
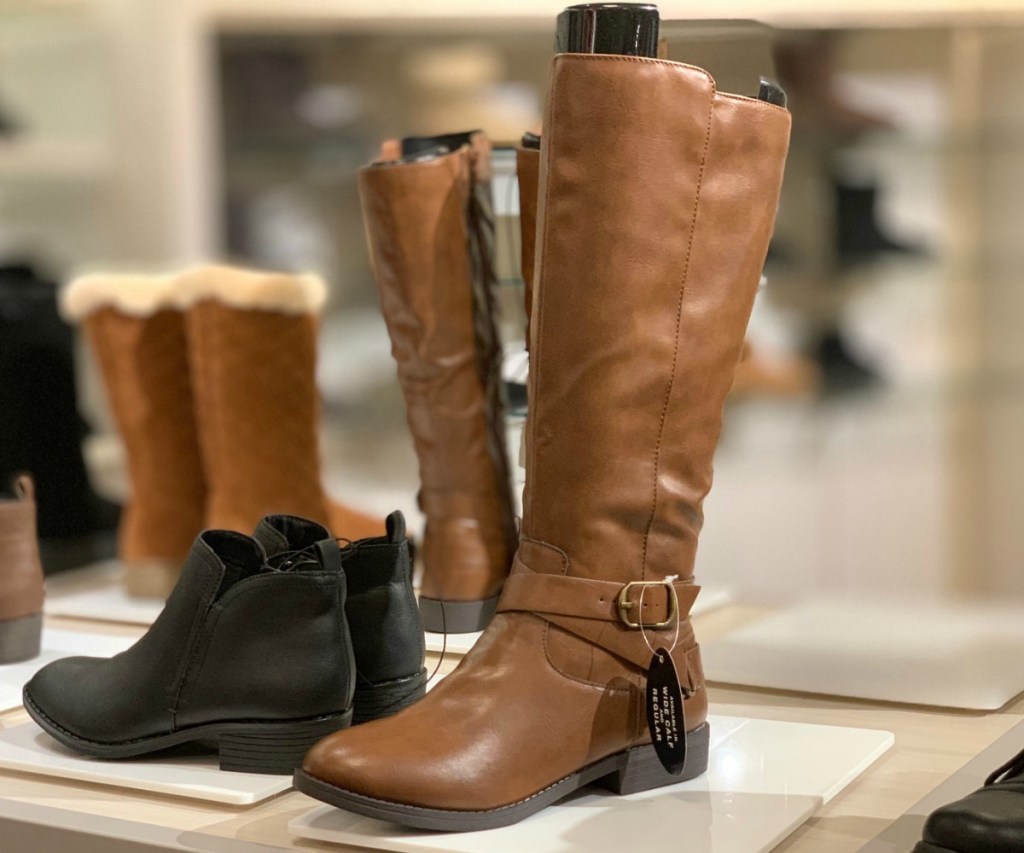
[41,430]
[859,237]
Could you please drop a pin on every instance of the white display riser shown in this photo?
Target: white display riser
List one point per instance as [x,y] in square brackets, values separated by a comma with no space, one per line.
[764,780]
[28,749]
[953,656]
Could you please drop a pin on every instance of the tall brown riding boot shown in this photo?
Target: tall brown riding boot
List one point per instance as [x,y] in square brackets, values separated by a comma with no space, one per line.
[252,349]
[21,575]
[135,328]
[430,227]
[649,259]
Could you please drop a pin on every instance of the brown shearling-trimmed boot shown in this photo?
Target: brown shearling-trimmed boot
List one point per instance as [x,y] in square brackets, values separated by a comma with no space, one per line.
[252,350]
[21,575]
[135,328]
[430,227]
[649,257]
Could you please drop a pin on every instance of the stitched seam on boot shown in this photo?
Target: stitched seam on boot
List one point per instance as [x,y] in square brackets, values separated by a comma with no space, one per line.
[208,592]
[195,670]
[679,322]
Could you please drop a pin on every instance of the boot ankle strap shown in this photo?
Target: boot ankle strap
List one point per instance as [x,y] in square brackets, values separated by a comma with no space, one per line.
[593,611]
[608,601]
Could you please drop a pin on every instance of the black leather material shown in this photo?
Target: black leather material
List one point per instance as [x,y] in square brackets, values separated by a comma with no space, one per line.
[384,621]
[236,640]
[991,820]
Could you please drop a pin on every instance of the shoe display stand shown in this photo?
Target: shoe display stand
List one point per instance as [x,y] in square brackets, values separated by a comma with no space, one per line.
[28,749]
[921,654]
[765,779]
[56,644]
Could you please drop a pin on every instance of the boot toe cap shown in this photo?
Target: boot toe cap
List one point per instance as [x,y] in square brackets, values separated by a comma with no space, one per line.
[378,761]
[988,821]
[57,692]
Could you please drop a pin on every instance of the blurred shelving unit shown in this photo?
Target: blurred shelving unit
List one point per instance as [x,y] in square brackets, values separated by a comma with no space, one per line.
[142,179]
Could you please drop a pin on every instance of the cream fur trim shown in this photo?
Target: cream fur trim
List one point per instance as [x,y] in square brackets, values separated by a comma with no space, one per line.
[256,290]
[138,295]
[145,295]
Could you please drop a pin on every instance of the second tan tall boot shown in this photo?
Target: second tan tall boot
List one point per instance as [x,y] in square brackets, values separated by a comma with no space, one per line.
[429,225]
[135,328]
[252,345]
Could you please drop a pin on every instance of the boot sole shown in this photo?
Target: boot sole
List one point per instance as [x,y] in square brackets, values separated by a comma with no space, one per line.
[628,772]
[373,701]
[274,747]
[20,639]
[456,617]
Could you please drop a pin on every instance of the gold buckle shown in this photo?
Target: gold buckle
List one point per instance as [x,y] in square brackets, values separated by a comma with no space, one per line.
[625,605]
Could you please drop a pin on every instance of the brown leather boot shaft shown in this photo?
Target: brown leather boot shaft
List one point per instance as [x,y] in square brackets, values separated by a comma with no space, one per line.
[430,232]
[144,365]
[527,173]
[21,573]
[647,276]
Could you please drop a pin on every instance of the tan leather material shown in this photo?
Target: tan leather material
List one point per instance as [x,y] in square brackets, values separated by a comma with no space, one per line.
[528,173]
[648,179]
[21,573]
[144,365]
[621,435]
[430,241]
[669,298]
[501,727]
[258,414]
[548,594]
[461,554]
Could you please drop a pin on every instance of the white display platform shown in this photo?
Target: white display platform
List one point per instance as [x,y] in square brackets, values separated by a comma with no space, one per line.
[97,592]
[764,780]
[710,598]
[458,644]
[28,749]
[923,654]
[56,644]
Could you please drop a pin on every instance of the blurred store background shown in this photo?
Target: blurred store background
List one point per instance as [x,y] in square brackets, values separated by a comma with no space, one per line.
[876,441]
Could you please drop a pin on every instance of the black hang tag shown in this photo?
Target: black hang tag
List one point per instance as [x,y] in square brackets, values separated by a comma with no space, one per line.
[666,718]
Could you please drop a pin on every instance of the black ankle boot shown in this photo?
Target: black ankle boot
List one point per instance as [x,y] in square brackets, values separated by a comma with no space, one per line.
[383,618]
[991,820]
[252,658]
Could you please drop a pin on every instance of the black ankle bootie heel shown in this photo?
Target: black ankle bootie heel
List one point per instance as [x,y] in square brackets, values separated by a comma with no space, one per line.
[384,621]
[250,657]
